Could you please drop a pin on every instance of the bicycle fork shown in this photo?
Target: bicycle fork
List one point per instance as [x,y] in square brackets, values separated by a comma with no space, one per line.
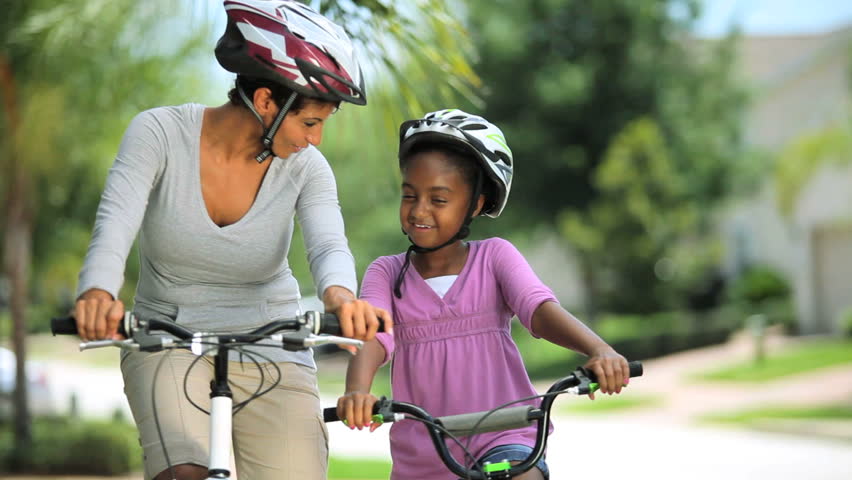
[221,405]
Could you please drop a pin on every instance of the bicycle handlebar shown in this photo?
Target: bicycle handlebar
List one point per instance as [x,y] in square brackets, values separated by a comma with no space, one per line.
[581,382]
[310,324]
[326,323]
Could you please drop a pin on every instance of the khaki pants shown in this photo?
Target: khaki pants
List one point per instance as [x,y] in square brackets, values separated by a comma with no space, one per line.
[279,435]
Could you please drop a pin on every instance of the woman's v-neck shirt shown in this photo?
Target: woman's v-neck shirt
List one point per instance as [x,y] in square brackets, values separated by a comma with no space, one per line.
[206,276]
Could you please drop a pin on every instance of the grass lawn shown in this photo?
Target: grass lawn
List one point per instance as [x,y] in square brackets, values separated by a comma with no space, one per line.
[358,469]
[606,404]
[748,417]
[797,359]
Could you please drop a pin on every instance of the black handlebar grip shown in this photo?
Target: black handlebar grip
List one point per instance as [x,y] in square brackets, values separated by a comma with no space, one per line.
[635,368]
[330,324]
[63,326]
[68,326]
[330,415]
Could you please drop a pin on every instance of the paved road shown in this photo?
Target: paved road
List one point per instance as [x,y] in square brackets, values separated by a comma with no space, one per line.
[640,450]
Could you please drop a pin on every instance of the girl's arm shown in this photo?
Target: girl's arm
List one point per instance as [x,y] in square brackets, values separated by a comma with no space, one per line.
[356,405]
[537,308]
[553,323]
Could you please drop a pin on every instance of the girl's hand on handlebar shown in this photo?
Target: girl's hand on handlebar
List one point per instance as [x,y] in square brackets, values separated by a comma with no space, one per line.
[358,319]
[611,369]
[356,410]
[98,315]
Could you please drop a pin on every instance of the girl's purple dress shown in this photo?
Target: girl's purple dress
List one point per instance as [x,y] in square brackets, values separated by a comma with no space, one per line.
[455,354]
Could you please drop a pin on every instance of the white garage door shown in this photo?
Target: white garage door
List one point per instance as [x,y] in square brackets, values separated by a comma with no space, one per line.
[832,248]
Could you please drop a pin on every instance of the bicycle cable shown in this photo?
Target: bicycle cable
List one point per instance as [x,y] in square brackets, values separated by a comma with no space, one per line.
[452,437]
[500,407]
[213,346]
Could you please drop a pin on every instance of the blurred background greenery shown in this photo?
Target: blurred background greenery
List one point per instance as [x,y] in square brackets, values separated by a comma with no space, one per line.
[668,186]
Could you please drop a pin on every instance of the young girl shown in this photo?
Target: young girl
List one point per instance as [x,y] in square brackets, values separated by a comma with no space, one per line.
[452,301]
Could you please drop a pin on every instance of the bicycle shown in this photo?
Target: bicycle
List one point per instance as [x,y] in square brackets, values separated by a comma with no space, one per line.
[293,333]
[581,381]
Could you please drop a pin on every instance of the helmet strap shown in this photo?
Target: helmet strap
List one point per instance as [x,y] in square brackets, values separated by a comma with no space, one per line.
[463,233]
[268,133]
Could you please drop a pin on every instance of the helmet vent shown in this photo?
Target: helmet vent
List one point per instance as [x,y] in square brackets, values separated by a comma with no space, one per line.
[474,126]
[264,61]
[506,159]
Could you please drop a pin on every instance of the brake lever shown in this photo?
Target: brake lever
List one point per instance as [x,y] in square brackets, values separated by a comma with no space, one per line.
[314,340]
[90,345]
[584,385]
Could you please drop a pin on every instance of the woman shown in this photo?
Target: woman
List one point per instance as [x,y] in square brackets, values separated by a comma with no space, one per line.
[212,194]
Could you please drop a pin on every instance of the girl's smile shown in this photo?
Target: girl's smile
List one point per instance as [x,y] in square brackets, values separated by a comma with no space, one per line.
[435,199]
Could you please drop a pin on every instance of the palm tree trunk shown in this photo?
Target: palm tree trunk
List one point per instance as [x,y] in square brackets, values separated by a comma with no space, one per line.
[17,242]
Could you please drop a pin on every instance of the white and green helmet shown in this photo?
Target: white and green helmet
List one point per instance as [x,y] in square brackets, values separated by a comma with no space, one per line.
[481,137]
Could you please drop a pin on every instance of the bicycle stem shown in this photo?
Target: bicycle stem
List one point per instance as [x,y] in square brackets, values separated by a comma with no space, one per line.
[221,406]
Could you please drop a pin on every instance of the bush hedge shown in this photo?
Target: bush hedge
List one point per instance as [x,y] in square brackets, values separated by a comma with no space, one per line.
[70,446]
[641,337]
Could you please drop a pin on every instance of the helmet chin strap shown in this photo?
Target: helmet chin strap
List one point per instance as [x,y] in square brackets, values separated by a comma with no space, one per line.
[463,233]
[268,133]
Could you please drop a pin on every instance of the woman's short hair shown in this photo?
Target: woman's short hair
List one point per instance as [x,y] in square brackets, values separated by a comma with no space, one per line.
[280,93]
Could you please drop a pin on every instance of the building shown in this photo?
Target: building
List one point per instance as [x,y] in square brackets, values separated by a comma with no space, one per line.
[801,85]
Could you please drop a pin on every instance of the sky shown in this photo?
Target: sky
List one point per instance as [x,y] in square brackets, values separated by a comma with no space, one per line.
[756,17]
[774,17]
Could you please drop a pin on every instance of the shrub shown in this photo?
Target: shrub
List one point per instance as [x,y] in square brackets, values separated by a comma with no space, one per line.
[758,284]
[64,445]
[846,322]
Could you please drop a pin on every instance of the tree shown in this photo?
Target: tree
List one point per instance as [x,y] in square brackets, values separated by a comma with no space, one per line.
[805,156]
[74,73]
[567,79]
[65,85]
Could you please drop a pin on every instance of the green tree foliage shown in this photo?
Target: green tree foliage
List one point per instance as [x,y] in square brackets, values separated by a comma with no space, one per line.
[625,130]
[804,156]
[641,209]
[74,73]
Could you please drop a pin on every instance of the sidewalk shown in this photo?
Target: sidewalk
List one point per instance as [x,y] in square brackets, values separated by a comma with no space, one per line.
[683,401]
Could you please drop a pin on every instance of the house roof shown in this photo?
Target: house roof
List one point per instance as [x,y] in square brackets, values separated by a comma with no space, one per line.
[771,60]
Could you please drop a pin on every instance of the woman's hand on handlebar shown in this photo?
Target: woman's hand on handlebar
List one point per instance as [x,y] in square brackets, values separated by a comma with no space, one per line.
[358,319]
[611,369]
[356,410]
[98,315]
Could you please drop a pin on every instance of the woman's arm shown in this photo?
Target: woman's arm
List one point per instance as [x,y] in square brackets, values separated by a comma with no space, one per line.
[358,319]
[318,212]
[120,212]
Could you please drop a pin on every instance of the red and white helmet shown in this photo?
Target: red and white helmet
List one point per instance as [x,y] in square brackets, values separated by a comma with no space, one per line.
[291,44]
[479,136]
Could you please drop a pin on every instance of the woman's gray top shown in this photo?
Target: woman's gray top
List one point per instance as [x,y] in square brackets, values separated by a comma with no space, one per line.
[205,276]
